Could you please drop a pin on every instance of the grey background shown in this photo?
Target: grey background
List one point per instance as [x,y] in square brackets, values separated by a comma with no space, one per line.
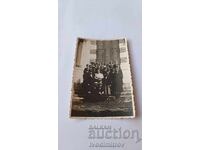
[100,19]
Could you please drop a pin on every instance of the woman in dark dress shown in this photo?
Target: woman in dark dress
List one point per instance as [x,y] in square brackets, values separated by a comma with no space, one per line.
[117,82]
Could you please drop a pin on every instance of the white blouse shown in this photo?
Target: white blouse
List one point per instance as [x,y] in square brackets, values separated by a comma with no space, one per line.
[99,75]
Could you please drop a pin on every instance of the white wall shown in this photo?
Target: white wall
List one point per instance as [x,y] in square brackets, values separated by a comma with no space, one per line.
[85,59]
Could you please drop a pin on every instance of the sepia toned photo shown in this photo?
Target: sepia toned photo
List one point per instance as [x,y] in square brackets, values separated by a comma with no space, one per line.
[102,81]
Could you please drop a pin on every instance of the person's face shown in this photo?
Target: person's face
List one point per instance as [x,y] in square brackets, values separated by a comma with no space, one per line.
[117,68]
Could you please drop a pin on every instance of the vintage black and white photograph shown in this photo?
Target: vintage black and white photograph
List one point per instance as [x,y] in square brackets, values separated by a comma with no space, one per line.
[102,81]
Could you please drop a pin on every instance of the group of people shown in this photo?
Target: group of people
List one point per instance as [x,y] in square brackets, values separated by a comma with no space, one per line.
[103,79]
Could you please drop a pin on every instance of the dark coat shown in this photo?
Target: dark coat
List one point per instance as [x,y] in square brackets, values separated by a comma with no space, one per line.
[117,83]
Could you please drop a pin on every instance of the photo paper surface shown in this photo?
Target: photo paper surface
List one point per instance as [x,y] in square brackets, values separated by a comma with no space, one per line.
[102,82]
